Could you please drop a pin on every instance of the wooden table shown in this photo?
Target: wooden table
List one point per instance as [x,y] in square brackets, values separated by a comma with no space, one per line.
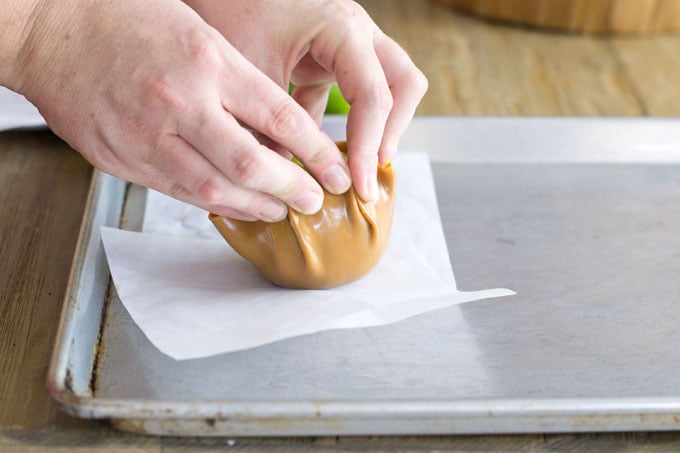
[474,68]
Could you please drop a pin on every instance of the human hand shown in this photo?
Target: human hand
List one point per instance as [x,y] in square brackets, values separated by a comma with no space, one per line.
[313,44]
[147,91]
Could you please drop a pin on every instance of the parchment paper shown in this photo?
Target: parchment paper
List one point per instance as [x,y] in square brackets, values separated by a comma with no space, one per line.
[193,296]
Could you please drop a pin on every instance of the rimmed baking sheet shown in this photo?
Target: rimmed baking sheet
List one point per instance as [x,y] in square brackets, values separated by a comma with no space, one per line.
[578,216]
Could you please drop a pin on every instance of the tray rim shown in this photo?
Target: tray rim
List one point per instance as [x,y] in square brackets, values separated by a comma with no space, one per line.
[57,376]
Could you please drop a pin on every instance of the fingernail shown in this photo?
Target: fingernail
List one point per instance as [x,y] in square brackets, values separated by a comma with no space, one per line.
[337,179]
[371,188]
[309,203]
[273,211]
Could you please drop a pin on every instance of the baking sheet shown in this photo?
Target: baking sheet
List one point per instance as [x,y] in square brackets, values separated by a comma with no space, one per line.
[590,342]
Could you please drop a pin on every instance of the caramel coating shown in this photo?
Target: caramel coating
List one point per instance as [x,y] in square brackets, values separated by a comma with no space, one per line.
[339,244]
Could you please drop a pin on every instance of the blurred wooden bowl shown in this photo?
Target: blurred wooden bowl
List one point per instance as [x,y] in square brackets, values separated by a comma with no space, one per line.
[588,16]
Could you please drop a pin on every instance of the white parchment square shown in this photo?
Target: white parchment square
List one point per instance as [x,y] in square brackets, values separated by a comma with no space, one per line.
[193,296]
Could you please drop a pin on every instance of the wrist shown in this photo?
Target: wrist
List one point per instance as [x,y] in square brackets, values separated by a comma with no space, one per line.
[16,26]
[48,31]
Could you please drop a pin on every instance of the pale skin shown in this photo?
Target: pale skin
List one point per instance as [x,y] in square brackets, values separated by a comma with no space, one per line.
[179,96]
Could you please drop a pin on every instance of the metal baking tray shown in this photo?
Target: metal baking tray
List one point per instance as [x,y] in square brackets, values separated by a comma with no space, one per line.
[581,217]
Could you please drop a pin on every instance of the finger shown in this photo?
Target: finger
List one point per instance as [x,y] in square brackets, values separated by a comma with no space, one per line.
[270,110]
[408,86]
[180,193]
[248,164]
[189,176]
[362,81]
[313,98]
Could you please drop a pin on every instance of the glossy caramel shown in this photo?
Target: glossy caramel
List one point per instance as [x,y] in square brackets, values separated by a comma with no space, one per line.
[339,244]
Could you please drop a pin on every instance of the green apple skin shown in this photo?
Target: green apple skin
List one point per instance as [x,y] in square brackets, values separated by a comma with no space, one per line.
[337,105]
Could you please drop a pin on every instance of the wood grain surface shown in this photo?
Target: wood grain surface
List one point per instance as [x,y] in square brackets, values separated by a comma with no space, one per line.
[478,68]
[474,68]
[593,16]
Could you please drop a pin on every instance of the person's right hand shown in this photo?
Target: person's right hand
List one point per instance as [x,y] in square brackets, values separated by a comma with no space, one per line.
[314,43]
[148,92]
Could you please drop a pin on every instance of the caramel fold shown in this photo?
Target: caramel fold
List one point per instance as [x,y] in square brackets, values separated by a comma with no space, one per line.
[339,244]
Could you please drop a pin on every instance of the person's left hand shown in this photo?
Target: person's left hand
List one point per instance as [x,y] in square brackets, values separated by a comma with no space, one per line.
[315,43]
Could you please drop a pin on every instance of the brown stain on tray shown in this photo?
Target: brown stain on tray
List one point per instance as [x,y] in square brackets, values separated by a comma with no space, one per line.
[99,346]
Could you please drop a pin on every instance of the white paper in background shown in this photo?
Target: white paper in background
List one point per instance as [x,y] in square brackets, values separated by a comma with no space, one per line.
[16,111]
[195,297]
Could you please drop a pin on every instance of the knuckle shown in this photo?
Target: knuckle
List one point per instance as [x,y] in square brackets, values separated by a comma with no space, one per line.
[246,169]
[204,52]
[167,93]
[419,82]
[178,191]
[200,124]
[284,120]
[289,189]
[209,191]
[317,157]
[252,204]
